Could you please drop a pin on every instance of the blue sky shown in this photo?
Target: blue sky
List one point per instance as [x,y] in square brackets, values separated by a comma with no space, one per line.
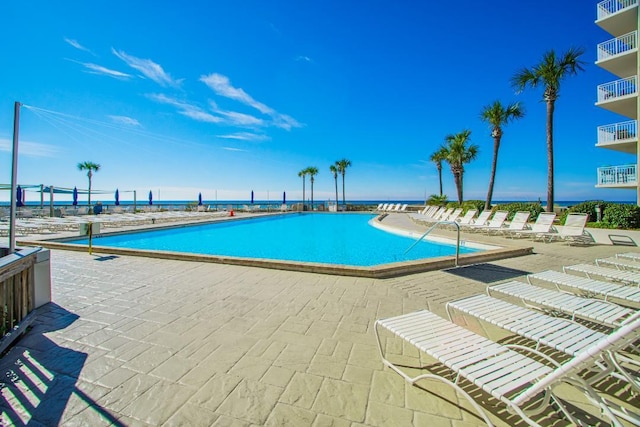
[225,97]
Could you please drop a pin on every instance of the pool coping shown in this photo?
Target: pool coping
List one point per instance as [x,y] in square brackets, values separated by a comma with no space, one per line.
[382,271]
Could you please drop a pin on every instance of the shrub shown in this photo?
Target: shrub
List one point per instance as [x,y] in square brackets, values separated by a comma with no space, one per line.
[588,207]
[437,200]
[533,208]
[622,216]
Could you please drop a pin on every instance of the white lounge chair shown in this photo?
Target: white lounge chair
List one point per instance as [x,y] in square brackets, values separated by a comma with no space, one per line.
[453,215]
[518,223]
[379,208]
[468,217]
[541,229]
[481,221]
[629,255]
[573,229]
[550,301]
[620,264]
[496,222]
[403,207]
[590,270]
[626,294]
[516,380]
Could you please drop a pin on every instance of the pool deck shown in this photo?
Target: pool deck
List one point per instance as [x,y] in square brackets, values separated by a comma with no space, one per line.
[142,341]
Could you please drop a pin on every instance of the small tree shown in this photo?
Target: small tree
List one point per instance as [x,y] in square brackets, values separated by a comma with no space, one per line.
[342,166]
[303,174]
[438,157]
[90,167]
[312,171]
[334,171]
[458,153]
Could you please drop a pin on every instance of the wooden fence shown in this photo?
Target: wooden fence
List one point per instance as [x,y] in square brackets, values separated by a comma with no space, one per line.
[17,287]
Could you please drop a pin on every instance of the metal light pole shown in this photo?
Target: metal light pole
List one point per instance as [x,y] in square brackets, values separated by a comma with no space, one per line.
[14,179]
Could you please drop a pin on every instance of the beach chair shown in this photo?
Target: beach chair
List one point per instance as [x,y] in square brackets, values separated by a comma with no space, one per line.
[494,224]
[379,206]
[627,277]
[619,264]
[384,207]
[574,306]
[541,229]
[523,384]
[453,215]
[403,207]
[563,335]
[626,295]
[468,217]
[573,229]
[518,223]
[481,221]
[629,255]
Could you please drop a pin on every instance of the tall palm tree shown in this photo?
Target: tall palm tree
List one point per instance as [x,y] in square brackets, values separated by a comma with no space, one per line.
[458,153]
[334,171]
[438,157]
[342,166]
[312,171]
[303,174]
[90,167]
[497,115]
[548,74]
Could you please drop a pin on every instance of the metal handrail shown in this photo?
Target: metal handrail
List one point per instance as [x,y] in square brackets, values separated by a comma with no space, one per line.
[431,229]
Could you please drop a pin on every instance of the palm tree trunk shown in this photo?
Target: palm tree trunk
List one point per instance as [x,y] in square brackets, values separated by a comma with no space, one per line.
[550,110]
[457,177]
[335,178]
[494,165]
[89,192]
[344,203]
[303,195]
[312,193]
[440,178]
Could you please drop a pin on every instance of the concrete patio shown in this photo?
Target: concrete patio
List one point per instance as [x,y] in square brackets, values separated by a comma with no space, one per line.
[142,341]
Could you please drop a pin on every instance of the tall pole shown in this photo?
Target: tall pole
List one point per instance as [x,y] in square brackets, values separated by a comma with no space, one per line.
[14,179]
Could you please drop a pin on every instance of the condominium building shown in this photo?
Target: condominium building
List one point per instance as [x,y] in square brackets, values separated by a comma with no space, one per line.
[619,56]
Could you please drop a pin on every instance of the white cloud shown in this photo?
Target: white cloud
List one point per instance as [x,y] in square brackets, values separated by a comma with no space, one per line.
[233,149]
[77,45]
[303,58]
[245,136]
[30,149]
[99,69]
[148,68]
[185,109]
[236,118]
[222,86]
[125,120]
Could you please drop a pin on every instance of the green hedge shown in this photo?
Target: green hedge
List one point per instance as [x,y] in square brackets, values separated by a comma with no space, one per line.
[622,216]
[533,208]
[468,204]
[588,207]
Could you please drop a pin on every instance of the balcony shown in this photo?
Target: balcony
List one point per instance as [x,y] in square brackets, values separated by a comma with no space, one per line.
[619,55]
[621,136]
[617,177]
[618,17]
[619,96]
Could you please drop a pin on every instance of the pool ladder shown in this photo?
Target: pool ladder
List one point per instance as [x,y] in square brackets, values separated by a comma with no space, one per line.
[431,229]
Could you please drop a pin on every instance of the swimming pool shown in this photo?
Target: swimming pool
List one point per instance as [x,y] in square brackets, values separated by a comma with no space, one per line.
[338,239]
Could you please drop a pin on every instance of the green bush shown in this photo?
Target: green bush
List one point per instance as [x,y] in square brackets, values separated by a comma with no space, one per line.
[437,200]
[588,207]
[622,216]
[533,208]
[468,204]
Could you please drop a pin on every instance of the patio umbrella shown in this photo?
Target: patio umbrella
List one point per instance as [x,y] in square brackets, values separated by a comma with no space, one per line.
[150,197]
[284,197]
[251,196]
[19,203]
[117,197]
[199,199]
[75,196]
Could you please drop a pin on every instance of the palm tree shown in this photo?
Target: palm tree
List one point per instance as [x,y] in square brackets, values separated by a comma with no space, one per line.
[497,115]
[342,166]
[458,153]
[90,167]
[334,171]
[549,73]
[303,174]
[312,171]
[438,157]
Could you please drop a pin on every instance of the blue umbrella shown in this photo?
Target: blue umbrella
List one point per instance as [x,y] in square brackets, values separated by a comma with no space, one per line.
[251,196]
[75,196]
[284,197]
[19,197]
[150,197]
[199,199]
[117,197]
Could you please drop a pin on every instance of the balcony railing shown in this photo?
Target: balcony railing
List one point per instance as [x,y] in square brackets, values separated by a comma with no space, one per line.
[614,175]
[609,7]
[617,46]
[618,88]
[613,133]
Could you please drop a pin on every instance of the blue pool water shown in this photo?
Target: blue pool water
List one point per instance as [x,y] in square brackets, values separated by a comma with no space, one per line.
[344,239]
